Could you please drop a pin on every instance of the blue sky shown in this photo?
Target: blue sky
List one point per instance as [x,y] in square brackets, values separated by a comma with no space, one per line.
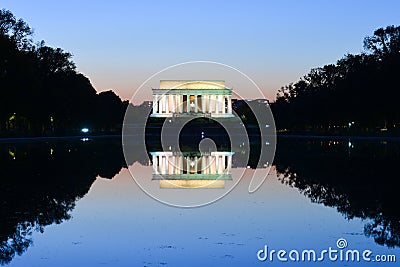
[119,44]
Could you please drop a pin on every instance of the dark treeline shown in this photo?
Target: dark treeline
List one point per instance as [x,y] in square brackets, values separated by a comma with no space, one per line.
[41,182]
[358,94]
[41,92]
[356,177]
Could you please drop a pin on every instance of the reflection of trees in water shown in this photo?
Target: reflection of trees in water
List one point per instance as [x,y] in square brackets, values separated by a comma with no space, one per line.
[41,182]
[358,178]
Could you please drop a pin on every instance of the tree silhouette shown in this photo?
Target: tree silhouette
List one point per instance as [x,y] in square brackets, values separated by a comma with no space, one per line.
[328,98]
[41,183]
[358,181]
[41,92]
[384,42]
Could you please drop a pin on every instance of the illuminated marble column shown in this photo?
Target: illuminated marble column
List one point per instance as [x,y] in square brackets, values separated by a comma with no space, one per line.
[173,164]
[166,165]
[177,166]
[170,165]
[155,102]
[223,104]
[177,98]
[160,104]
[180,103]
[229,168]
[188,103]
[177,105]
[230,104]
[155,159]
[172,102]
[209,162]
[206,165]
[220,165]
[213,165]
[196,104]
[217,104]
[162,171]
[174,97]
[167,99]
[166,103]
[212,103]
[181,164]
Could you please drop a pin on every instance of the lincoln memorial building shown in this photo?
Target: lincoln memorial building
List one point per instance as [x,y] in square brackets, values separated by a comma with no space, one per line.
[176,98]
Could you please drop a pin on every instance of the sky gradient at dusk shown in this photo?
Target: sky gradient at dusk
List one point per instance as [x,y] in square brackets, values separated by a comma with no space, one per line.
[119,44]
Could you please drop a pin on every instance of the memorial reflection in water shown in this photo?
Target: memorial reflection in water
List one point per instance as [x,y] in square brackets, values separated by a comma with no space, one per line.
[192,169]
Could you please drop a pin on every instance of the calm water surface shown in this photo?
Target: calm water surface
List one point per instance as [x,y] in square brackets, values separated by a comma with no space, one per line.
[74,203]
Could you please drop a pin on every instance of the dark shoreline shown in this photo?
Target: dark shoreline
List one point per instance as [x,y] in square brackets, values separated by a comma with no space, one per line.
[48,138]
[340,137]
[291,136]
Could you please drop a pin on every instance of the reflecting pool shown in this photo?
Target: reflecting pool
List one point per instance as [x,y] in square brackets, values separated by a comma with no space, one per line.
[73,202]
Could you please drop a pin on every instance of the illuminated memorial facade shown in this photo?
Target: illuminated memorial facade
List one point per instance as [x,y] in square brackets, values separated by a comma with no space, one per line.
[177,98]
[192,170]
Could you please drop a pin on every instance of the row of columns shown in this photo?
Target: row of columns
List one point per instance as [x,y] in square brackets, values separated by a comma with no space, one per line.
[176,104]
[214,164]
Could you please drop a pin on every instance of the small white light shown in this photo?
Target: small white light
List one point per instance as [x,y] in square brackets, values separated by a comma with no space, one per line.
[85,130]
